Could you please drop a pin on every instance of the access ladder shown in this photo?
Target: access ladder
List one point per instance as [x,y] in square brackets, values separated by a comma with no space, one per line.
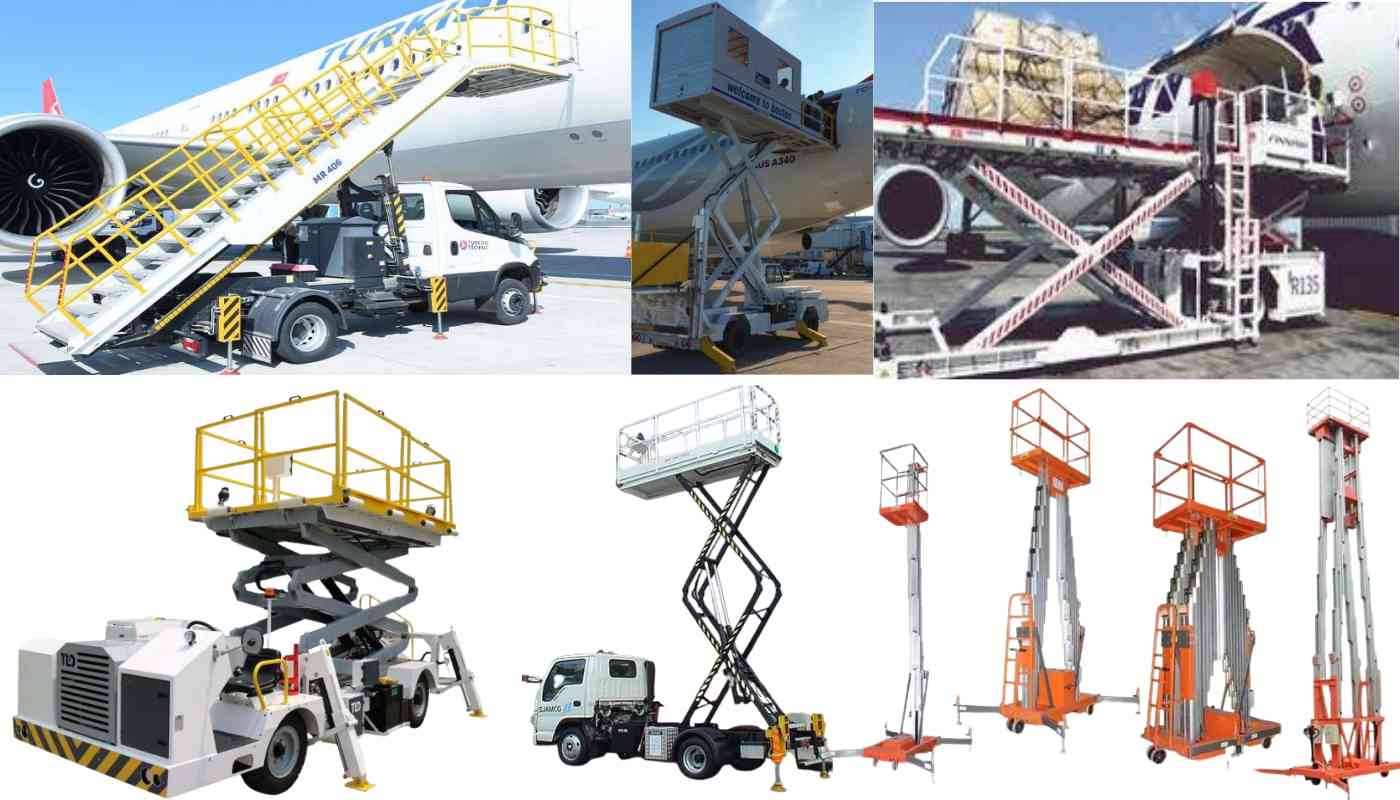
[242,179]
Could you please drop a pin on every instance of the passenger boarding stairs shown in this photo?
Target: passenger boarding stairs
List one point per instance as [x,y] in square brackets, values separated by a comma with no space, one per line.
[241,180]
[1237,277]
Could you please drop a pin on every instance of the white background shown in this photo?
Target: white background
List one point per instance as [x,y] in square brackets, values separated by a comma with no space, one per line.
[554,559]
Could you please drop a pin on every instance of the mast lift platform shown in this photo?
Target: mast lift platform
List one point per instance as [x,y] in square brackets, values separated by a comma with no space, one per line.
[1052,444]
[1183,298]
[1342,745]
[714,70]
[1214,493]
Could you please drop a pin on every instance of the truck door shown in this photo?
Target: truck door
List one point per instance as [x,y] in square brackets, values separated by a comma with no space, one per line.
[562,696]
[474,249]
[423,250]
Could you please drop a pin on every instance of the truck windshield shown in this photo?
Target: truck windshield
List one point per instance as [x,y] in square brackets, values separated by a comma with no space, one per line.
[572,672]
[462,209]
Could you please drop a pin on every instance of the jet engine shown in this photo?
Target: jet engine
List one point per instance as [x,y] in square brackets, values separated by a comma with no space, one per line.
[541,209]
[50,167]
[911,205]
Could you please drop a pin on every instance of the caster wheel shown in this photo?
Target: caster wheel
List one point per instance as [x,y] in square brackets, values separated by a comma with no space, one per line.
[1011,725]
[1267,743]
[1315,781]
[1091,711]
[1020,726]
[1150,751]
[1158,756]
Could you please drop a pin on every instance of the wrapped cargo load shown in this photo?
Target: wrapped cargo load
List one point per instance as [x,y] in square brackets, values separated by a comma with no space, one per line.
[1039,61]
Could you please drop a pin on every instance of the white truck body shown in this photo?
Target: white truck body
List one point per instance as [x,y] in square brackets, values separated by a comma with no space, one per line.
[576,684]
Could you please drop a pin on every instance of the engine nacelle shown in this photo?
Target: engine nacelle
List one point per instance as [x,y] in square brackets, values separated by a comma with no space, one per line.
[541,209]
[50,167]
[911,205]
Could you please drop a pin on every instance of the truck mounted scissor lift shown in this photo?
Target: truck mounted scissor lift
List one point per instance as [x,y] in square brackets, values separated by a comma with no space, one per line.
[321,487]
[1214,493]
[1228,174]
[1050,443]
[1342,745]
[712,69]
[131,264]
[904,502]
[734,435]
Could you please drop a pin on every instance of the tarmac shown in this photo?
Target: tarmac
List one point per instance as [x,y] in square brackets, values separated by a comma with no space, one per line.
[1352,343]
[849,332]
[583,326]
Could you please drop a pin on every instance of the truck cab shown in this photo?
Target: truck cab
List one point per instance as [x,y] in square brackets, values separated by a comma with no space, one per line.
[451,230]
[577,687]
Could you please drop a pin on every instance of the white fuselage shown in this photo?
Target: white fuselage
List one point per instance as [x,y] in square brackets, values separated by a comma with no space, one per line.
[673,174]
[569,134]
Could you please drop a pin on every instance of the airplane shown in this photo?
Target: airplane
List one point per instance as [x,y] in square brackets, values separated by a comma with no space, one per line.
[1350,47]
[533,153]
[672,175]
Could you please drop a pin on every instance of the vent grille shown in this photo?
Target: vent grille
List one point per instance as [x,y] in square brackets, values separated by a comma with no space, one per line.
[86,700]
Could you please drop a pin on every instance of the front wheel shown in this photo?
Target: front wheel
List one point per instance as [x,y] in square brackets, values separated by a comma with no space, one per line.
[286,753]
[697,759]
[513,304]
[419,705]
[308,334]
[573,748]
[812,319]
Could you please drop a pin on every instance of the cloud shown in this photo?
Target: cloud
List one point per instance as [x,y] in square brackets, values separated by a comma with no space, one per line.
[772,14]
[1045,18]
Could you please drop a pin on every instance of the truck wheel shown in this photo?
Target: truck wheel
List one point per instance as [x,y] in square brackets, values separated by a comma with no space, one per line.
[573,748]
[308,334]
[419,703]
[513,305]
[811,318]
[736,335]
[286,753]
[746,764]
[697,758]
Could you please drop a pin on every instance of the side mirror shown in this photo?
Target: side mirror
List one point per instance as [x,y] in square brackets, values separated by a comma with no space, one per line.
[531,679]
[516,221]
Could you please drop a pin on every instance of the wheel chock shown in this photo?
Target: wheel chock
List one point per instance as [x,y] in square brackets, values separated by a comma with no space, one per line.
[809,334]
[723,359]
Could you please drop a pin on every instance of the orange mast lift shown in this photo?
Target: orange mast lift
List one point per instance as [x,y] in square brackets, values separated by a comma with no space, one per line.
[1052,444]
[1213,493]
[903,492]
[1343,746]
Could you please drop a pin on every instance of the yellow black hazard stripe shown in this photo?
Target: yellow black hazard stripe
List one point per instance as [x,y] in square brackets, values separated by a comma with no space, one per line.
[131,771]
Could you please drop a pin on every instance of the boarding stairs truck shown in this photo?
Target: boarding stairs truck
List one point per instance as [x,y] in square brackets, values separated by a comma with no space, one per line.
[320,487]
[237,184]
[714,70]
[590,705]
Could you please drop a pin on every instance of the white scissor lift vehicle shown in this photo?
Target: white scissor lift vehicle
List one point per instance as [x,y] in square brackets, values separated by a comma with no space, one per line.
[589,705]
[716,71]
[1249,162]
[320,486]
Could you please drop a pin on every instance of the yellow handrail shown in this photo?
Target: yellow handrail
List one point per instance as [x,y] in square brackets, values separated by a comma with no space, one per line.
[417,479]
[286,682]
[210,163]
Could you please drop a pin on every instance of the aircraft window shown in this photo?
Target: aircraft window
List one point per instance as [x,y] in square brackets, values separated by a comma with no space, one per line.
[395,68]
[413,207]
[462,210]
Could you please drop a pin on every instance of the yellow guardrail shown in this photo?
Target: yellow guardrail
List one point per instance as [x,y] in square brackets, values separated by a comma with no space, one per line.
[283,123]
[323,449]
[286,682]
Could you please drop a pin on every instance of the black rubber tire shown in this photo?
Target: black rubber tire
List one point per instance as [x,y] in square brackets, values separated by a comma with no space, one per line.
[1020,726]
[1011,725]
[1267,743]
[736,336]
[1159,755]
[573,748]
[1150,750]
[1090,712]
[423,689]
[1315,781]
[811,318]
[261,779]
[696,758]
[513,302]
[745,764]
[293,354]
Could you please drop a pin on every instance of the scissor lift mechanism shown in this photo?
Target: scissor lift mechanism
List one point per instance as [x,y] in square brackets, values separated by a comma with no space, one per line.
[1342,745]
[975,156]
[1051,443]
[733,434]
[1214,494]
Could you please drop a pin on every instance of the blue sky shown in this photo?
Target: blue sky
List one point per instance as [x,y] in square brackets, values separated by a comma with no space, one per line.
[833,39]
[115,61]
[1131,34]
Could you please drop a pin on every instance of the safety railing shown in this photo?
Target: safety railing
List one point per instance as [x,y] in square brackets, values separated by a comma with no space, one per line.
[324,449]
[1042,427]
[282,125]
[738,414]
[1305,115]
[1059,92]
[1197,474]
[903,484]
[1330,404]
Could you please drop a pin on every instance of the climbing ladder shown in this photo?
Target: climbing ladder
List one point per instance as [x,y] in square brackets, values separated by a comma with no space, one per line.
[1343,744]
[1051,443]
[1213,493]
[1238,280]
[242,179]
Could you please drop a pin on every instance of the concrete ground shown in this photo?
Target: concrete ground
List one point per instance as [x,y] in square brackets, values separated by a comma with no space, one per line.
[848,330]
[583,326]
[1352,343]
